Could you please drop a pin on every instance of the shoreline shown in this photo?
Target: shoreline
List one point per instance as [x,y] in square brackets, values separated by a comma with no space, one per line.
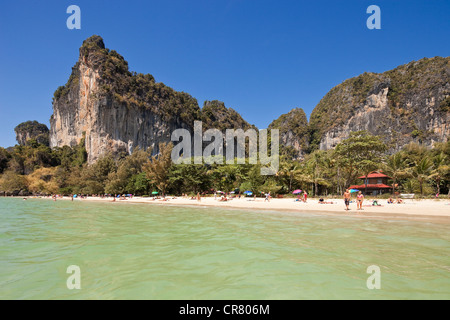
[426,210]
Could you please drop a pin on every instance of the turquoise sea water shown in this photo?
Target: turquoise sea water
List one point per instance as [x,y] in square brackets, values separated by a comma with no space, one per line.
[139,251]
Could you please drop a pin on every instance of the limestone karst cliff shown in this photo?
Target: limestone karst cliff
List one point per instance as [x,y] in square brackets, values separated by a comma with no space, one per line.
[32,130]
[408,103]
[294,136]
[116,110]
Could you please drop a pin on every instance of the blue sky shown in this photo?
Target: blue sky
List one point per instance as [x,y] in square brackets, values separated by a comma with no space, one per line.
[260,57]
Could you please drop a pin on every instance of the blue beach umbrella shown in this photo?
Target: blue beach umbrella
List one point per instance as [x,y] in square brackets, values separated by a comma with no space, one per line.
[248,193]
[354,190]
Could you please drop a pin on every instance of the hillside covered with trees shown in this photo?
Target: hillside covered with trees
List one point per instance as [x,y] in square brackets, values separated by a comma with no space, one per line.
[37,169]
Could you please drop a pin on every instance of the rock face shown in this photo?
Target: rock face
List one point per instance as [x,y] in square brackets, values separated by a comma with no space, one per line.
[293,128]
[409,103]
[215,115]
[32,130]
[114,109]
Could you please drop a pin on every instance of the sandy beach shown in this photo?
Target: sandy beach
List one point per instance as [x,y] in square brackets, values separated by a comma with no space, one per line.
[420,210]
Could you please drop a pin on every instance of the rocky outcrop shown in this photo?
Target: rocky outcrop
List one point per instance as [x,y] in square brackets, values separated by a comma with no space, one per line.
[32,130]
[215,115]
[409,103]
[293,128]
[114,109]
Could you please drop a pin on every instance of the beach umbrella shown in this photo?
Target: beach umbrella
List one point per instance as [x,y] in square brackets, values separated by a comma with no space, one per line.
[220,191]
[232,192]
[155,192]
[297,191]
[354,190]
[248,193]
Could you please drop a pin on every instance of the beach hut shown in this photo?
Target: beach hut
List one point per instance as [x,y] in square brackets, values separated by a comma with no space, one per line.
[374,183]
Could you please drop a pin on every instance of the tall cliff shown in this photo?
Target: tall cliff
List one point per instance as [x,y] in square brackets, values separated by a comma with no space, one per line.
[114,109]
[408,103]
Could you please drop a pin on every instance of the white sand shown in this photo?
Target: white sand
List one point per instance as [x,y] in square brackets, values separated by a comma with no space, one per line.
[436,210]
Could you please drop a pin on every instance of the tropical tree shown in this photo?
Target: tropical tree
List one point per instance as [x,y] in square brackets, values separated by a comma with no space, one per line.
[361,152]
[4,158]
[422,171]
[157,169]
[12,182]
[396,167]
[188,178]
[316,164]
[287,172]
[128,167]
[441,169]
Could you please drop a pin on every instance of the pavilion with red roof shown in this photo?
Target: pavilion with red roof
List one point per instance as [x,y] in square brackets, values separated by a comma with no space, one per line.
[377,183]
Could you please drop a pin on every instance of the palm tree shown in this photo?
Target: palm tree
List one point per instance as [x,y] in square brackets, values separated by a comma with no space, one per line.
[441,169]
[395,167]
[315,165]
[287,171]
[422,171]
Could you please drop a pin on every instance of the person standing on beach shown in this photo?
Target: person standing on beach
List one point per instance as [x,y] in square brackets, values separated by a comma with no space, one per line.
[359,200]
[305,196]
[198,197]
[347,196]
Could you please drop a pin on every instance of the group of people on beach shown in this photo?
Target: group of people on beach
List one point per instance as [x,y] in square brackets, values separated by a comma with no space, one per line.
[302,197]
[360,200]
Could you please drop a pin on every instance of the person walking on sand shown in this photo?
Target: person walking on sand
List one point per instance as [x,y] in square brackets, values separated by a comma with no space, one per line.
[359,200]
[347,196]
[305,197]
[198,197]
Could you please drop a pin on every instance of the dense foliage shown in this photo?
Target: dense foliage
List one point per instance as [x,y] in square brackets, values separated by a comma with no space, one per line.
[38,169]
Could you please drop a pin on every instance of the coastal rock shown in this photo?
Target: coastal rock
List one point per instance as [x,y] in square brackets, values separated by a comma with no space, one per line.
[294,135]
[116,110]
[409,103]
[113,109]
[32,130]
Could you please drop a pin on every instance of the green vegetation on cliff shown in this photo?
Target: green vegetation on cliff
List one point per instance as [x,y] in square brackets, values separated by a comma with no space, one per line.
[408,86]
[38,169]
[215,115]
[129,88]
[30,132]
[293,128]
